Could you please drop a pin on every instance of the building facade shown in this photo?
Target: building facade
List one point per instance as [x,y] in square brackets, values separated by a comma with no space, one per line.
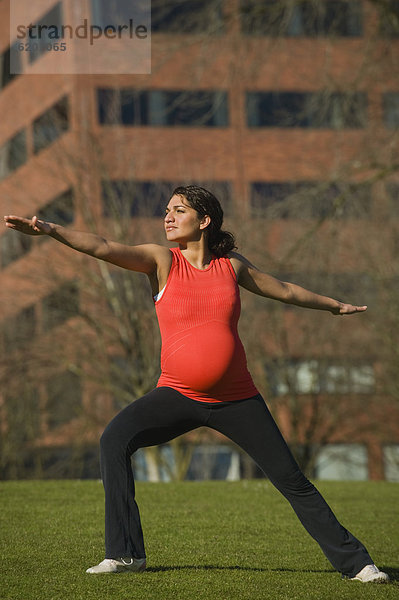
[289,112]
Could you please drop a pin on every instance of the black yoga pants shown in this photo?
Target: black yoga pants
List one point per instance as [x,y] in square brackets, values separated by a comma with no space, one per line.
[164,414]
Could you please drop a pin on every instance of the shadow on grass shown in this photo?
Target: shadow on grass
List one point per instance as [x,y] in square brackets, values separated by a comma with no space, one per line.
[232,568]
[393,572]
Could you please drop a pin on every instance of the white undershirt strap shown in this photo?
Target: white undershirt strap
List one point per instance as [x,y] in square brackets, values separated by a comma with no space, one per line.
[160,294]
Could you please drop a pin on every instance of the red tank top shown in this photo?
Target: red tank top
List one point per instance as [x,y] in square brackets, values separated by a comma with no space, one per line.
[202,355]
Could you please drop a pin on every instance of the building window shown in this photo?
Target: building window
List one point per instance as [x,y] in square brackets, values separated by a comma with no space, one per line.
[320,377]
[208,461]
[125,198]
[309,110]
[390,105]
[182,17]
[19,331]
[120,14]
[47,30]
[167,16]
[64,399]
[5,65]
[22,418]
[303,18]
[116,12]
[310,200]
[190,108]
[13,246]
[60,210]
[163,108]
[59,306]
[214,462]
[342,462]
[122,107]
[391,462]
[13,154]
[50,125]
[389,18]
[392,190]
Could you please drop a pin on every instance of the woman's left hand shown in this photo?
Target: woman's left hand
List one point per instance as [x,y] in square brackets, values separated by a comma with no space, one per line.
[347,309]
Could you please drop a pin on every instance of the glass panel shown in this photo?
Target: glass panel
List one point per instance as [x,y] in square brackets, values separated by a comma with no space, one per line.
[186,16]
[392,189]
[195,109]
[17,151]
[133,107]
[210,462]
[391,462]
[307,377]
[274,109]
[319,376]
[124,198]
[389,18]
[60,210]
[163,108]
[50,125]
[293,200]
[117,198]
[13,154]
[391,110]
[20,330]
[362,379]
[321,110]
[270,17]
[157,108]
[118,13]
[60,305]
[13,246]
[64,398]
[48,29]
[342,462]
[302,18]
[22,417]
[336,380]
[5,65]
[109,106]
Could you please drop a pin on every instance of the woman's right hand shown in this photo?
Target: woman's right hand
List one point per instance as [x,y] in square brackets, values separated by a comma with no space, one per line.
[32,226]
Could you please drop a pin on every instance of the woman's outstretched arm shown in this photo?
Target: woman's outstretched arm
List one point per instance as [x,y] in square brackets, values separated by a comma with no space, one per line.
[258,282]
[143,258]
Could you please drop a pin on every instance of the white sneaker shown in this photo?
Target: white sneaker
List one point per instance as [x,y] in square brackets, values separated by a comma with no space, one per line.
[117,565]
[371,574]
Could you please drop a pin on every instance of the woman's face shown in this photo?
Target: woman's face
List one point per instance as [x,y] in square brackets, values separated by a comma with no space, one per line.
[182,222]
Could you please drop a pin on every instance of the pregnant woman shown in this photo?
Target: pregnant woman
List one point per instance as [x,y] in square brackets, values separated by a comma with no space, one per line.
[204,379]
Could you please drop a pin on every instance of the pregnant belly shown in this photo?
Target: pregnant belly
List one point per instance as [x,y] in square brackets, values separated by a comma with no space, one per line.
[202,357]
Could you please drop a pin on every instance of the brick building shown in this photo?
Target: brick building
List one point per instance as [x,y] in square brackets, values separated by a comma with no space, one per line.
[289,111]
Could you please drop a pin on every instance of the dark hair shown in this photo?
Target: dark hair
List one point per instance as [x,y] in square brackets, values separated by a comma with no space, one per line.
[204,202]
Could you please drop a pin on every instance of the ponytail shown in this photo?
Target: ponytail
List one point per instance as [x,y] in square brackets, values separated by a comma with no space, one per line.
[221,242]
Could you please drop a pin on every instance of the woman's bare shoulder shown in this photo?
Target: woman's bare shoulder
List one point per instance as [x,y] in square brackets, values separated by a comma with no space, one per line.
[162,254]
[239,261]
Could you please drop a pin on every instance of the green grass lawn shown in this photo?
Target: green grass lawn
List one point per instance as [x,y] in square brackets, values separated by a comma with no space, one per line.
[205,540]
